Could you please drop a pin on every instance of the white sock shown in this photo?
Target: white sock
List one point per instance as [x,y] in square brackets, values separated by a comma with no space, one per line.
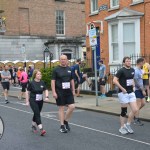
[33,123]
[128,123]
[40,126]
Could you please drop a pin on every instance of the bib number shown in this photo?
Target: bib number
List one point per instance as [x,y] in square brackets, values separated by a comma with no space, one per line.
[39,97]
[66,85]
[129,82]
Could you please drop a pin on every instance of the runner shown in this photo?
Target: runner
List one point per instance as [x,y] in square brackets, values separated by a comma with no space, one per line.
[5,75]
[146,69]
[63,90]
[79,77]
[24,81]
[102,78]
[34,96]
[139,89]
[124,80]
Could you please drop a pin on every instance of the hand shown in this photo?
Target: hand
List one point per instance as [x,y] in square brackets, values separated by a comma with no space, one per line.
[27,103]
[79,79]
[73,92]
[46,99]
[144,93]
[124,91]
[103,79]
[55,95]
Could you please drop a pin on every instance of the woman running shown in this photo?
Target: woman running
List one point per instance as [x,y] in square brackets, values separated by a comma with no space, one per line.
[34,97]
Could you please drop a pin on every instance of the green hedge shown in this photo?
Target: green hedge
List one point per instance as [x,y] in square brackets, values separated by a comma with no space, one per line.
[47,76]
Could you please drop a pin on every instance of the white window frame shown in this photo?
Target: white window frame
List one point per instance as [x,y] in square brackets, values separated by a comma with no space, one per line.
[137,1]
[120,38]
[93,11]
[64,22]
[111,4]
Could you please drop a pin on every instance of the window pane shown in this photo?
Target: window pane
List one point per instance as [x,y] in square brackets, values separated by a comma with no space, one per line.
[129,49]
[94,5]
[128,32]
[60,22]
[137,0]
[115,33]
[115,52]
[115,2]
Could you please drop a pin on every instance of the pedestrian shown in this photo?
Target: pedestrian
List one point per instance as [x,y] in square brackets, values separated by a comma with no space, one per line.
[11,73]
[63,91]
[30,72]
[18,75]
[34,97]
[139,89]
[23,82]
[79,77]
[124,79]
[102,78]
[6,76]
[146,69]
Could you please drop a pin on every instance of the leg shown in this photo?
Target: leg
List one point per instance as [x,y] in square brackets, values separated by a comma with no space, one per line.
[134,110]
[123,114]
[61,114]
[69,112]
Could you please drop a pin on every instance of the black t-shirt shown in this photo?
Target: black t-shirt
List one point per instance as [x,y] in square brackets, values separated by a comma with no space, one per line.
[125,77]
[61,75]
[36,88]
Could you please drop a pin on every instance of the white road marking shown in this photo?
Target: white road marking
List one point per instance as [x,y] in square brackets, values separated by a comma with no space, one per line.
[92,129]
[56,112]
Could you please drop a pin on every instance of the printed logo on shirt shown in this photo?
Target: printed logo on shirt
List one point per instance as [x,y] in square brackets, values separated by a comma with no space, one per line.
[69,71]
[42,86]
[132,73]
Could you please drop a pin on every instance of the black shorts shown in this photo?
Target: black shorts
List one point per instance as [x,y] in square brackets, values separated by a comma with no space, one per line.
[5,85]
[145,81]
[24,87]
[65,97]
[102,82]
[139,94]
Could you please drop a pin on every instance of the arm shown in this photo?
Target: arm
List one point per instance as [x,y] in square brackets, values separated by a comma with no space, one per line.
[76,72]
[116,82]
[27,93]
[46,95]
[72,87]
[53,89]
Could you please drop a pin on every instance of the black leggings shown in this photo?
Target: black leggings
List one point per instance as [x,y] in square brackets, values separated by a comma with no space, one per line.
[36,108]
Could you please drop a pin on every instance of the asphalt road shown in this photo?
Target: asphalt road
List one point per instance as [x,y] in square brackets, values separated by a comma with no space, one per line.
[89,131]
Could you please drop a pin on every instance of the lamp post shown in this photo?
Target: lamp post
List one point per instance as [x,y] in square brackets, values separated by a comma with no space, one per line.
[47,54]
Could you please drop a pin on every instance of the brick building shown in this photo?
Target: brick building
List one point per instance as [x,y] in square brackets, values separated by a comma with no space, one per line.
[123,29]
[31,25]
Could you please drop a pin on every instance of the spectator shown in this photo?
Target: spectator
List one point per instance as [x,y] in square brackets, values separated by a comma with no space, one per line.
[102,78]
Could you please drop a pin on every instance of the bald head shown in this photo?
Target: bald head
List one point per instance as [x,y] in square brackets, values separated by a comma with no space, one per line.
[63,60]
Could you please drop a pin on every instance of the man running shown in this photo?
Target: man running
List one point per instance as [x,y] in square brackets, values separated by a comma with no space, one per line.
[124,80]
[63,91]
[139,89]
[6,76]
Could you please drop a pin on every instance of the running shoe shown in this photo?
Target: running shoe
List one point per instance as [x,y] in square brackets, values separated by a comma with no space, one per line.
[138,122]
[129,129]
[6,101]
[148,99]
[123,130]
[67,125]
[63,129]
[34,129]
[43,132]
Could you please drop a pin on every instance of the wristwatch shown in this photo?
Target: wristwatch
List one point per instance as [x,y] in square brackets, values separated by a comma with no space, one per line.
[47,96]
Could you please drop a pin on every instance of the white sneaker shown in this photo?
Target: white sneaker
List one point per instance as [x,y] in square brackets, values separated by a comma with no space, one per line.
[128,128]
[123,130]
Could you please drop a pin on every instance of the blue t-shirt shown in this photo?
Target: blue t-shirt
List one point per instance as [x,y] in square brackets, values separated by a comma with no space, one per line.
[102,69]
[73,69]
[138,78]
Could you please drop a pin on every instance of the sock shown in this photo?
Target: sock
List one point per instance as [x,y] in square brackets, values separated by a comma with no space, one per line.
[40,126]
[33,123]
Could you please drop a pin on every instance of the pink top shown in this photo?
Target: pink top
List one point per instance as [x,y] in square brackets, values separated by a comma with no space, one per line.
[23,77]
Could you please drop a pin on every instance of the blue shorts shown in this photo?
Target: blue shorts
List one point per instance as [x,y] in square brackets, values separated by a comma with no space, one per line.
[139,94]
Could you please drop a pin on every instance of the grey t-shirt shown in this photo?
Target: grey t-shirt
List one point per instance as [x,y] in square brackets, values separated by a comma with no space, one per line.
[5,73]
[138,78]
[102,69]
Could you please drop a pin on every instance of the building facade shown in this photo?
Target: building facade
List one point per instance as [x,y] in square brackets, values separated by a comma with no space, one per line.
[31,26]
[123,29]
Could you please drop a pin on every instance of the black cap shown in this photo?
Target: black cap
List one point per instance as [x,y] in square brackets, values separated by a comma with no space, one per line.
[101,61]
[78,60]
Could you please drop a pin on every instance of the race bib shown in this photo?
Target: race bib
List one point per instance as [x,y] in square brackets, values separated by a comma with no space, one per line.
[66,85]
[129,82]
[39,97]
[6,79]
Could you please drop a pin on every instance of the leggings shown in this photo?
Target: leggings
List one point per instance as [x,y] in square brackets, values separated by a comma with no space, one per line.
[36,108]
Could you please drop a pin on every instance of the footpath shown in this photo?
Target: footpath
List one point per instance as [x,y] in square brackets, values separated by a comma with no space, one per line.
[109,105]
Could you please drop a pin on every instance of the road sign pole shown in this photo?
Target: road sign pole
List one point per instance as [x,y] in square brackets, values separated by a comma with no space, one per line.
[95,68]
